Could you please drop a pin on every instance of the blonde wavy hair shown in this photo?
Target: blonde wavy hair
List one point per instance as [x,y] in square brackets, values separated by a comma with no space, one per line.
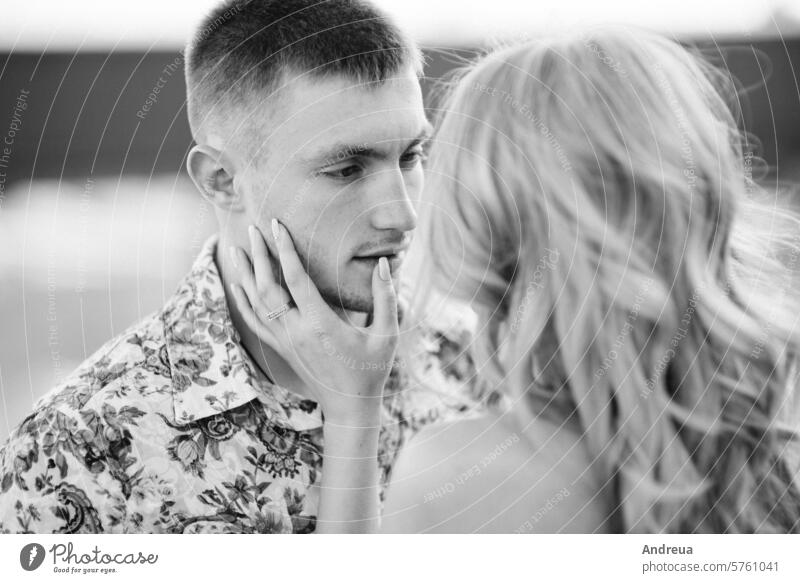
[590,196]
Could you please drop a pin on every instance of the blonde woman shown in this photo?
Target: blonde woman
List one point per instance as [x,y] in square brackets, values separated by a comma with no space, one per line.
[588,197]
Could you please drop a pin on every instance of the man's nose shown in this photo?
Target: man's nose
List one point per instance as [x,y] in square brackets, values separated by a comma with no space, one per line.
[393,208]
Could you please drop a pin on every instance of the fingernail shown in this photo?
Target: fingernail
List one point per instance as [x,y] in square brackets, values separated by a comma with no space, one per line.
[383,269]
[234,259]
[275,228]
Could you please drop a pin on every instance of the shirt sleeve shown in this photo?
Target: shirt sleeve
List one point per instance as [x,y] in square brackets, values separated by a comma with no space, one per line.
[46,480]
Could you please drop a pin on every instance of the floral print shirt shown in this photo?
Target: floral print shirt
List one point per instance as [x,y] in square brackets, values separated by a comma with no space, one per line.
[167,429]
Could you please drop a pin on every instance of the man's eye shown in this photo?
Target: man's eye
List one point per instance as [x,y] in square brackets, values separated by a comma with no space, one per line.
[344,172]
[412,158]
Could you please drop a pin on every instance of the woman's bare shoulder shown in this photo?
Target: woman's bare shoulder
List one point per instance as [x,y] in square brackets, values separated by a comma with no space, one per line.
[480,475]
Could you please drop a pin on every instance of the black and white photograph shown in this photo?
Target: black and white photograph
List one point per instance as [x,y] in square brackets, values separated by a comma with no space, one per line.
[400,268]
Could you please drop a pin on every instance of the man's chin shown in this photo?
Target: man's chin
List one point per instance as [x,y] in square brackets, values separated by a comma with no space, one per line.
[357,298]
[350,301]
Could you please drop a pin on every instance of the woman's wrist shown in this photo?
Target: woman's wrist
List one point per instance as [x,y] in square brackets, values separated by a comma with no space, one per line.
[350,478]
[354,411]
[351,439]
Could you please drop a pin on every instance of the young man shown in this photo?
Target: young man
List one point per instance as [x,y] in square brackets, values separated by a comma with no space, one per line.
[303,111]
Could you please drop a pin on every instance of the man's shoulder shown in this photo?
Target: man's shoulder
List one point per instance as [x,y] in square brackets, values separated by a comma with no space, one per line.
[435,377]
[60,457]
[137,354]
[439,356]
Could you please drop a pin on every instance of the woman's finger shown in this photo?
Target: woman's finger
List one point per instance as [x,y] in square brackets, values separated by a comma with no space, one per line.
[266,285]
[384,301]
[250,316]
[302,289]
[241,261]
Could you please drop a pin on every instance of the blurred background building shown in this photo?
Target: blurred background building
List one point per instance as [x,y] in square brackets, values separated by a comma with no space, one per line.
[98,220]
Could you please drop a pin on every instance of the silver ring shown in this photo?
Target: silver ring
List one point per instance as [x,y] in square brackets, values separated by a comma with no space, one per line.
[274,314]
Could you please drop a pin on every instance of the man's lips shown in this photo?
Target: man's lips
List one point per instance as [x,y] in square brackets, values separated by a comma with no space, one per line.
[395,259]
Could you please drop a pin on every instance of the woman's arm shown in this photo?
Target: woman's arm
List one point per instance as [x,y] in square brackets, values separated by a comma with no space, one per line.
[350,480]
[314,340]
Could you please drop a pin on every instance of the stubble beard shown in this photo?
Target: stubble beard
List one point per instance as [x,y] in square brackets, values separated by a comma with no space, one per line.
[337,297]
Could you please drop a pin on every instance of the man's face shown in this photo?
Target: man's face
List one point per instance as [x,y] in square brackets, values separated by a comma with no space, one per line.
[341,168]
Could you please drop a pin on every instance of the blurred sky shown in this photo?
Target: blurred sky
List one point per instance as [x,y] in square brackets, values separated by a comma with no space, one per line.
[158,24]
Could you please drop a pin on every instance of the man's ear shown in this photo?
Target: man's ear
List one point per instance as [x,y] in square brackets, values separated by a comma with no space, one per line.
[213,176]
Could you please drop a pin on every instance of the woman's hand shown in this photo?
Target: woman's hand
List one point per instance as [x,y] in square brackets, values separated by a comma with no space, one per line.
[345,367]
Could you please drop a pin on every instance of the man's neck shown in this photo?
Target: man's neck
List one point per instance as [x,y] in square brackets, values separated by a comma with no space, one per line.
[269,363]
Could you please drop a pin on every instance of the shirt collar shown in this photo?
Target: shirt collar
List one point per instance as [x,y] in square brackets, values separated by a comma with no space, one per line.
[210,370]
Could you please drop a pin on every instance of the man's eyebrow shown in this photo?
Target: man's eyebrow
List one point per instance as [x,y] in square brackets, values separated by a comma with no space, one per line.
[344,151]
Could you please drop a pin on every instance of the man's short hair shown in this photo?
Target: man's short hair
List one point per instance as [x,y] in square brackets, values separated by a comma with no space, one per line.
[244,49]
